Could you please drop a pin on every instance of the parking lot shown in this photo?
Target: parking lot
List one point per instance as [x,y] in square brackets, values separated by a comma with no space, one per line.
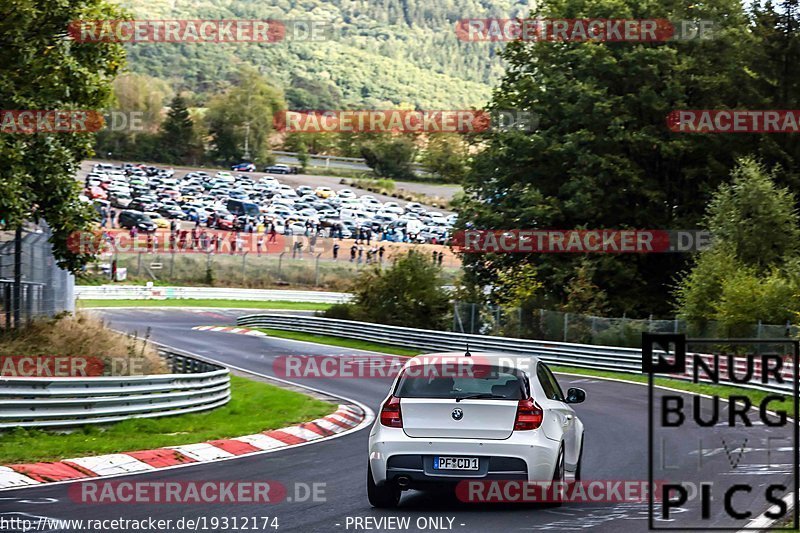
[150,197]
[252,229]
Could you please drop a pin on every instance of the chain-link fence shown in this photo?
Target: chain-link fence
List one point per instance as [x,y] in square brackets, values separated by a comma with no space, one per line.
[571,327]
[31,283]
[298,261]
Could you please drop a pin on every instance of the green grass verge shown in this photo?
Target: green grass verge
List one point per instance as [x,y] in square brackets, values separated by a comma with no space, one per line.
[189,302]
[719,390]
[344,342]
[254,407]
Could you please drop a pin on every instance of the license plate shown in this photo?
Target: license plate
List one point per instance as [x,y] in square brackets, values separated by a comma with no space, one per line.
[455,463]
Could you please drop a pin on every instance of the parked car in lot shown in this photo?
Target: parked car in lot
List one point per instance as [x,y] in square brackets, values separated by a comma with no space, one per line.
[278,168]
[157,219]
[142,222]
[225,177]
[221,219]
[506,418]
[172,211]
[243,208]
[120,199]
[95,192]
[324,192]
[244,167]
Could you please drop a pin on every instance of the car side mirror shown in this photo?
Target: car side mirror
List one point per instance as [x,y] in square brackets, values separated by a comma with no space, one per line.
[575,395]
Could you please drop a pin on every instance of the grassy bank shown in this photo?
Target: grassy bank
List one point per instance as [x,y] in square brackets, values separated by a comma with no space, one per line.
[340,341]
[188,302]
[81,335]
[254,407]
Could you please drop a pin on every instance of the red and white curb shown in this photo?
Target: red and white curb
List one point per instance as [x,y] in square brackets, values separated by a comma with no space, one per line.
[232,329]
[346,418]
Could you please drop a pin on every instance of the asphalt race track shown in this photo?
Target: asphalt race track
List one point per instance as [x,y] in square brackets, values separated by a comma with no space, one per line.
[615,415]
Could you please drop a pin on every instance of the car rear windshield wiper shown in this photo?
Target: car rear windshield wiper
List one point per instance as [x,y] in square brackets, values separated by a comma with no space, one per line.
[483,396]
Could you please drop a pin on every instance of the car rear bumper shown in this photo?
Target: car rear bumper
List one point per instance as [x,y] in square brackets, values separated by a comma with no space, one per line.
[525,455]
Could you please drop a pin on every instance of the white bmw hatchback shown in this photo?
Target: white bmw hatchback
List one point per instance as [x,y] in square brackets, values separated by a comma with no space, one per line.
[489,416]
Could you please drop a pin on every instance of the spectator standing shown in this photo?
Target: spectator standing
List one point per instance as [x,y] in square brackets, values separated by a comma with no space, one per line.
[335,251]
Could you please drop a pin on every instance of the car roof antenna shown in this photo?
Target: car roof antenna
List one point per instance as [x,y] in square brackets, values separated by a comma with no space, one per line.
[467,354]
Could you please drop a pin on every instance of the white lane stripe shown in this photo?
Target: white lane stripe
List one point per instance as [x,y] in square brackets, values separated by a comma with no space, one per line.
[262,441]
[115,463]
[303,433]
[10,478]
[202,451]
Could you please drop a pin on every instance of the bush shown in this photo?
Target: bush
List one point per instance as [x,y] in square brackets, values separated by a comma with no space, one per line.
[340,311]
[409,293]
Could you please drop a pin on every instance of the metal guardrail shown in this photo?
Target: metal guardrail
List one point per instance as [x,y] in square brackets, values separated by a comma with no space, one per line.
[195,385]
[590,356]
[141,292]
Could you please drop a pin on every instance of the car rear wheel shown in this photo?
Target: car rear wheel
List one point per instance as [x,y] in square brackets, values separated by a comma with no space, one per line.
[559,474]
[381,496]
[580,463]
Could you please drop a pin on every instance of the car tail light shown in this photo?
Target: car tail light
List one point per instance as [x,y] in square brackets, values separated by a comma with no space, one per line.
[529,415]
[390,413]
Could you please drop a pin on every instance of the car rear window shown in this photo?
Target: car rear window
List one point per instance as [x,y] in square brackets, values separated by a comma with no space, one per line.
[436,381]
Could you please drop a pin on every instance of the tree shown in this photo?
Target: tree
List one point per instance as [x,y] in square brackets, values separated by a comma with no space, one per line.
[390,157]
[750,272]
[754,218]
[42,69]
[177,133]
[409,293]
[143,95]
[777,77]
[446,156]
[602,156]
[309,94]
[243,115]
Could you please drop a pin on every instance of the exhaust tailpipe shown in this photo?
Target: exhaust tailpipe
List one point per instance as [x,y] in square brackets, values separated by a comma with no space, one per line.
[403,482]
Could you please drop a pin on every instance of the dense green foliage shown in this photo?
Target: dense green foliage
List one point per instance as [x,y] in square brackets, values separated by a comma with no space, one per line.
[390,156]
[380,53]
[42,69]
[409,293]
[178,142]
[240,120]
[751,271]
[602,156]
